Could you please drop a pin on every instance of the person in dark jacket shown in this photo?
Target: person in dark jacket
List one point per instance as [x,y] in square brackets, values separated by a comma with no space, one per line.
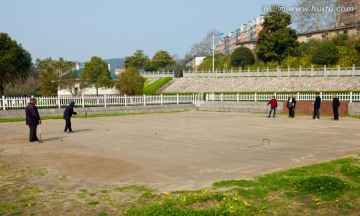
[273,106]
[291,103]
[32,119]
[335,106]
[69,111]
[317,104]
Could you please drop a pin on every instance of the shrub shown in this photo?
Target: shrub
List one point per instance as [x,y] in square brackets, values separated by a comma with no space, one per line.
[242,56]
[130,82]
[325,54]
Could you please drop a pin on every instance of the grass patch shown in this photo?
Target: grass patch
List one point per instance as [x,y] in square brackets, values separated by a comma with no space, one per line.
[94,203]
[327,189]
[152,88]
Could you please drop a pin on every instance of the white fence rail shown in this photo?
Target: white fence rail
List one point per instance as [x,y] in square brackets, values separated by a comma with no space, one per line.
[289,72]
[350,97]
[158,74]
[143,100]
[93,101]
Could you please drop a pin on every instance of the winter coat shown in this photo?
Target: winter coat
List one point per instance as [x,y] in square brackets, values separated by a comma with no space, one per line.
[335,103]
[32,115]
[292,104]
[273,103]
[317,102]
[69,111]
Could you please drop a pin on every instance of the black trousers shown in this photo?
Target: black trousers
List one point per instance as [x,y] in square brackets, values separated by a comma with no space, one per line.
[67,125]
[291,112]
[336,113]
[32,134]
[316,114]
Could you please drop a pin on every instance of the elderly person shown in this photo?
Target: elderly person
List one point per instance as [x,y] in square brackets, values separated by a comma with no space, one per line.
[291,103]
[335,106]
[32,119]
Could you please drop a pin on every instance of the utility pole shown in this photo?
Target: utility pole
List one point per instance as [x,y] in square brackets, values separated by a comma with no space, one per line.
[213,53]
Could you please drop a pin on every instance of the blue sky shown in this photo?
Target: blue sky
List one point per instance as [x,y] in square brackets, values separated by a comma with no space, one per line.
[79,29]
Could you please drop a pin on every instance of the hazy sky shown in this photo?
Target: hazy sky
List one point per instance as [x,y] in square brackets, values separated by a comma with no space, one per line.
[79,29]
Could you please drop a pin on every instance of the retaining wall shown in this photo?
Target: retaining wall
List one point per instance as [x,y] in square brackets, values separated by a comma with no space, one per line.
[354,109]
[241,106]
[20,113]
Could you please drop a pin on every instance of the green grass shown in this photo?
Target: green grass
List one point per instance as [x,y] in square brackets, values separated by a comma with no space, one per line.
[327,188]
[152,88]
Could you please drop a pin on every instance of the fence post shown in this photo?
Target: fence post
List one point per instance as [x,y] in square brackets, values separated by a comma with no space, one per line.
[221,97]
[312,71]
[193,98]
[231,71]
[104,100]
[267,71]
[125,100]
[3,100]
[338,70]
[257,72]
[144,96]
[277,71]
[58,101]
[82,101]
[350,97]
[248,71]
[298,96]
[353,70]
[288,71]
[161,100]
[177,98]
[324,70]
[237,97]
[300,70]
[255,97]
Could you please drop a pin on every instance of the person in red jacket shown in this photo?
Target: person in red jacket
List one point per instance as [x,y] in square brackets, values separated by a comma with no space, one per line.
[273,106]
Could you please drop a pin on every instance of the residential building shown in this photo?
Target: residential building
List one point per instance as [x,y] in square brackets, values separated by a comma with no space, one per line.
[195,62]
[245,35]
[350,12]
[351,31]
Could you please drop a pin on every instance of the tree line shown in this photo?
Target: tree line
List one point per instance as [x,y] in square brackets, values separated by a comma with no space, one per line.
[20,77]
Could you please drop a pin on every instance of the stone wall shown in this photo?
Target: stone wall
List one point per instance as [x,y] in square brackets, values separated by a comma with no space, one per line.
[354,109]
[264,84]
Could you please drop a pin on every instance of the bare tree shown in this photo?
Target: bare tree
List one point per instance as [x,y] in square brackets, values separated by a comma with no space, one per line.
[203,48]
[311,15]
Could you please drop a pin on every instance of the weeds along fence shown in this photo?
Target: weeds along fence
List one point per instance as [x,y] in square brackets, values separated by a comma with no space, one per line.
[99,101]
[350,97]
[144,100]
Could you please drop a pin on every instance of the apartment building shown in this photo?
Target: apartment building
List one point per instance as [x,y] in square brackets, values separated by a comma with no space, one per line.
[247,33]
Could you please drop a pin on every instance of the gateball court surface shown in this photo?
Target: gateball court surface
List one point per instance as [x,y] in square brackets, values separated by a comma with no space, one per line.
[177,151]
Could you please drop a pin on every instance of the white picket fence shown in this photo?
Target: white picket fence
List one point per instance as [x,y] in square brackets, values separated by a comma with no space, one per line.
[350,97]
[93,101]
[278,72]
[143,100]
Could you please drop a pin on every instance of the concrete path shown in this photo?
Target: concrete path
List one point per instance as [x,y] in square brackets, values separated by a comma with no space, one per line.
[178,151]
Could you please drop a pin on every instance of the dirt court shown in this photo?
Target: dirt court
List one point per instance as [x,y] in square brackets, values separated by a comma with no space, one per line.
[177,151]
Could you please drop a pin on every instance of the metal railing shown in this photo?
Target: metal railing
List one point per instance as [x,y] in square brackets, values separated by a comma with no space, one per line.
[278,72]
